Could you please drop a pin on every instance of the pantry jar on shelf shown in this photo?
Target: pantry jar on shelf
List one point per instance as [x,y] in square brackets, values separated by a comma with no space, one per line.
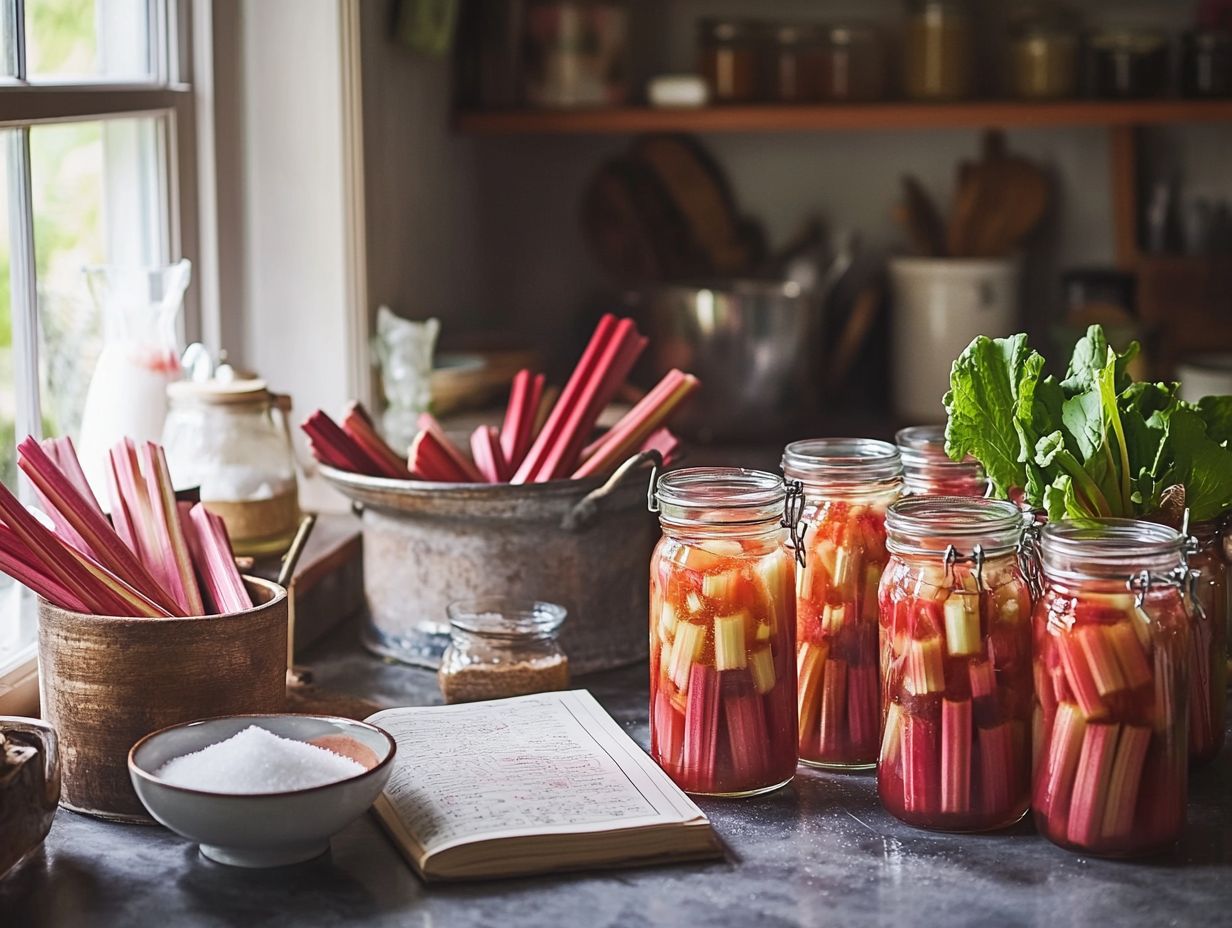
[1112,687]
[848,483]
[955,665]
[928,470]
[722,631]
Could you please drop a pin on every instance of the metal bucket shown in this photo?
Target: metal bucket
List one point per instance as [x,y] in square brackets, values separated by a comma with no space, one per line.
[584,544]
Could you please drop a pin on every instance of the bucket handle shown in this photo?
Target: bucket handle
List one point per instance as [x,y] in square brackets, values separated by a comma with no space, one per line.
[589,506]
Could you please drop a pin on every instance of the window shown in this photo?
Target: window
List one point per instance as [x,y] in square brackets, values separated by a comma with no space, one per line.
[95,167]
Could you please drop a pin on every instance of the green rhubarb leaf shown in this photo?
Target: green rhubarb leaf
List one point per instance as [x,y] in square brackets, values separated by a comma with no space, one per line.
[1058,497]
[991,407]
[1052,455]
[1216,412]
[1089,359]
[1201,464]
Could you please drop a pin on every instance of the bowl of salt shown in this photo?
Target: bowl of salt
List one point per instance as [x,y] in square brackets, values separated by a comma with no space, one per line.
[261,790]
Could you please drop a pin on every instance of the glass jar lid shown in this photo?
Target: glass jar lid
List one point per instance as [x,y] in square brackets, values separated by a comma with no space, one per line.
[729,30]
[843,463]
[923,447]
[1109,549]
[500,618]
[219,392]
[931,524]
[719,495]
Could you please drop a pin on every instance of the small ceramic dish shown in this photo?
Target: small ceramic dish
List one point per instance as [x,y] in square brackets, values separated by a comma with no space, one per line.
[262,829]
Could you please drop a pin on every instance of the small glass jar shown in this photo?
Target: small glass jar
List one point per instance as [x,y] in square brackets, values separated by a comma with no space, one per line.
[1206,69]
[928,470]
[502,647]
[576,53]
[1112,661]
[230,438]
[1044,61]
[848,485]
[729,59]
[939,49]
[722,632]
[795,63]
[853,65]
[1127,64]
[955,665]
[1208,671]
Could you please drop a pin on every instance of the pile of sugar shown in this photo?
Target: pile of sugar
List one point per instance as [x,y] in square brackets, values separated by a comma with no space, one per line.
[257,761]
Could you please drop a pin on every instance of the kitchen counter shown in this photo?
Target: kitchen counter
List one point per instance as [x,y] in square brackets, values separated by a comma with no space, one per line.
[820,851]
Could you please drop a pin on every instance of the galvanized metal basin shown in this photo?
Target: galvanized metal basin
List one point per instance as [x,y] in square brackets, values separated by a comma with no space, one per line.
[584,544]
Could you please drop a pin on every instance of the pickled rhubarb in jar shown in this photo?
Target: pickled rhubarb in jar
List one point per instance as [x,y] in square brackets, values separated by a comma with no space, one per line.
[722,631]
[1208,668]
[955,636]
[929,471]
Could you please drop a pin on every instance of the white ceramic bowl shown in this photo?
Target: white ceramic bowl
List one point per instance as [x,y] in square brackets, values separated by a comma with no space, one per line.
[262,829]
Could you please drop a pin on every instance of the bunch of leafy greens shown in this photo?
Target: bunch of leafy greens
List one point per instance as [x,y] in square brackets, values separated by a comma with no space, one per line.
[1093,444]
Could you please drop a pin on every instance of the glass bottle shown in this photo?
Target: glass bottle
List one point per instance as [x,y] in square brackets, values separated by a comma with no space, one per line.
[853,64]
[729,59]
[1111,681]
[848,483]
[955,665]
[722,632]
[502,647]
[1044,61]
[938,52]
[928,470]
[1208,669]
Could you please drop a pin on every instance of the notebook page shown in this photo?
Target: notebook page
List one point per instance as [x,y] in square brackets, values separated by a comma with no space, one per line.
[552,763]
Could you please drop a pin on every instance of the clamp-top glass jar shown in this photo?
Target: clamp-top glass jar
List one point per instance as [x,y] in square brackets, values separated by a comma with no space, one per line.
[1208,670]
[928,470]
[1111,687]
[955,665]
[848,484]
[722,631]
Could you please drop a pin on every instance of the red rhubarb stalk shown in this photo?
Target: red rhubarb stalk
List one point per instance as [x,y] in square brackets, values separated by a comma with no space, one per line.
[61,452]
[955,756]
[1056,785]
[862,709]
[744,722]
[997,771]
[1123,784]
[701,729]
[669,733]
[1078,675]
[16,561]
[518,430]
[486,450]
[211,549]
[130,602]
[176,568]
[428,423]
[627,435]
[1086,814]
[832,738]
[335,448]
[920,774]
[810,662]
[664,442]
[357,424]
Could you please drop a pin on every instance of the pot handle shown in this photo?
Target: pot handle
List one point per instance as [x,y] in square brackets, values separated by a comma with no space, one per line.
[49,743]
[589,506]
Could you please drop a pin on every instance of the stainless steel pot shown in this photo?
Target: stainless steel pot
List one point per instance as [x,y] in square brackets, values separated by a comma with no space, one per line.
[749,341]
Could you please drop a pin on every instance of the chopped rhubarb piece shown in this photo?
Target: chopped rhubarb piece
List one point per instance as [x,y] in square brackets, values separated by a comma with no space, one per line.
[962,624]
[1101,657]
[624,438]
[701,729]
[1164,704]
[955,755]
[872,580]
[926,619]
[1086,813]
[1122,798]
[983,679]
[997,769]
[777,577]
[1078,675]
[1123,641]
[175,569]
[744,721]
[925,667]
[833,714]
[833,618]
[518,430]
[729,634]
[486,450]
[357,424]
[686,648]
[810,664]
[1201,719]
[891,738]
[863,705]
[695,604]
[667,622]
[335,448]
[669,733]
[428,423]
[664,442]
[921,786]
[761,666]
[722,587]
[211,549]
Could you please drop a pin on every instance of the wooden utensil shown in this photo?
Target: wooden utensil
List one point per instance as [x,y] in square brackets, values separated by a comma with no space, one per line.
[922,220]
[998,202]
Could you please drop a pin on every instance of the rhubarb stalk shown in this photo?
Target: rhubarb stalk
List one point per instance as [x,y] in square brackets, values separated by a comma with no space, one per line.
[637,425]
[1086,814]
[701,728]
[955,756]
[176,567]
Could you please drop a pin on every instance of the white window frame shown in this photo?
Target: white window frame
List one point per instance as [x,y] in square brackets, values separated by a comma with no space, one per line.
[169,94]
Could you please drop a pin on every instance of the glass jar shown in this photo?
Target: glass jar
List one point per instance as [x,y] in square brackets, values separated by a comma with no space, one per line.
[795,63]
[1206,69]
[576,53]
[501,647]
[230,438]
[955,665]
[1044,61]
[1208,670]
[928,470]
[938,52]
[722,632]
[853,66]
[1127,63]
[728,51]
[848,484]
[1111,687]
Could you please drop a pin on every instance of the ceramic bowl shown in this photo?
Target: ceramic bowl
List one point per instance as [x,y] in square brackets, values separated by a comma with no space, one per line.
[262,829]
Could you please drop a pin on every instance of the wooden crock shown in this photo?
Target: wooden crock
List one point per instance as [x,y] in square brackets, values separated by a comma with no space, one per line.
[108,681]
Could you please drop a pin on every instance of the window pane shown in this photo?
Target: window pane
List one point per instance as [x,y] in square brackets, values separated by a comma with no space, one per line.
[98,199]
[86,40]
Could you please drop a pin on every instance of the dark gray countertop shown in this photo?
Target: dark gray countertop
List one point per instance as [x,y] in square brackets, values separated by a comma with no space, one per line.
[818,852]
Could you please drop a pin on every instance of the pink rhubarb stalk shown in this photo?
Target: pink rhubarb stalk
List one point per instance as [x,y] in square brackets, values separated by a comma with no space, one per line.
[997,771]
[744,721]
[627,435]
[863,708]
[461,463]
[955,756]
[920,765]
[833,722]
[15,560]
[1086,813]
[211,549]
[518,430]
[176,566]
[486,450]
[357,424]
[701,729]
[669,733]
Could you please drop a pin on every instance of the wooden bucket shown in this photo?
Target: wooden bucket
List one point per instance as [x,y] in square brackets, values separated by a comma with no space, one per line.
[108,681]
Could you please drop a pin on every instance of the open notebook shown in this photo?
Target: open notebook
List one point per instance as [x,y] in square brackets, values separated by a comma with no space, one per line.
[529,785]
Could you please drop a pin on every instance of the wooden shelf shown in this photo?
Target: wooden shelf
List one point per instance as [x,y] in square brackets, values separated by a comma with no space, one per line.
[869,116]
